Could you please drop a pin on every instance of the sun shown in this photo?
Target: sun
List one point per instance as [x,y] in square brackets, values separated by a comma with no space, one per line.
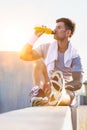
[13,38]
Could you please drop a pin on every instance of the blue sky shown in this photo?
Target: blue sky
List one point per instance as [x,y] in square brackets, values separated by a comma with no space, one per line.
[18,18]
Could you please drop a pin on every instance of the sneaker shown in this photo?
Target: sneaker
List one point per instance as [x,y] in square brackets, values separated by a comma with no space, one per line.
[39,101]
[57,80]
[57,84]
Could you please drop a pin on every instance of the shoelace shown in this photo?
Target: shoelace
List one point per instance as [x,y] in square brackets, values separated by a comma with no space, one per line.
[55,96]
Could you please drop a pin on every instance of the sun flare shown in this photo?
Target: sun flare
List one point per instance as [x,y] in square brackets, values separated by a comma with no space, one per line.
[14,38]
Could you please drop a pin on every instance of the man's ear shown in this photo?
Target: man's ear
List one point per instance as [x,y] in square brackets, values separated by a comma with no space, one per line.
[68,32]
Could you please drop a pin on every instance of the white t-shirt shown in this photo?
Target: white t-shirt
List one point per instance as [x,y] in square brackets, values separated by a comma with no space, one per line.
[76,65]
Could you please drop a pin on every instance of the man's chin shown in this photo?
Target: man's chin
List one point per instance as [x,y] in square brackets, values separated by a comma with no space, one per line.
[55,37]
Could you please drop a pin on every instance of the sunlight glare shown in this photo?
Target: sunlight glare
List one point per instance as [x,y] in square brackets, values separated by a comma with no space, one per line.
[14,38]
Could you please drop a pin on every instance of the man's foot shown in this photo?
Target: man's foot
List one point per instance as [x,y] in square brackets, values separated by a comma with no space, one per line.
[57,84]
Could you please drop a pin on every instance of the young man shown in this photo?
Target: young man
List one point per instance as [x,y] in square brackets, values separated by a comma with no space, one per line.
[59,56]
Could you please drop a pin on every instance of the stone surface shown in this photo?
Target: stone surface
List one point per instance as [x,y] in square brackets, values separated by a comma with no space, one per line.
[37,118]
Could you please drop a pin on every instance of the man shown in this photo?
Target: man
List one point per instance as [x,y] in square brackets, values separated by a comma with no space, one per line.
[59,57]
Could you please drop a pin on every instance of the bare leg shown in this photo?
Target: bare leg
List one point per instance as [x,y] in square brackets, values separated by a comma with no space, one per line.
[41,89]
[40,76]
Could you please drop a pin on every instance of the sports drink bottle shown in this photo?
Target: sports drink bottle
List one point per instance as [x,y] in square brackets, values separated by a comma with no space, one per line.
[44,29]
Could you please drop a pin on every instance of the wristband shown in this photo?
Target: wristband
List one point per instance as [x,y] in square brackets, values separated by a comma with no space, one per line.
[33,39]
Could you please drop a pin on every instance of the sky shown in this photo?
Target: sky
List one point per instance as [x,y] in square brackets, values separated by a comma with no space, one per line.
[19,17]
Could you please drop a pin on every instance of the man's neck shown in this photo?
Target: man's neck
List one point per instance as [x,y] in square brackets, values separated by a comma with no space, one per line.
[62,46]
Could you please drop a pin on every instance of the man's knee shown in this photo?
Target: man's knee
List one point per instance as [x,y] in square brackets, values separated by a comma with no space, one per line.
[39,73]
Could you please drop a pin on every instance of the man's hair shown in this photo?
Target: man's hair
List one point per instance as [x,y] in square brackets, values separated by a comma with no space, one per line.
[69,24]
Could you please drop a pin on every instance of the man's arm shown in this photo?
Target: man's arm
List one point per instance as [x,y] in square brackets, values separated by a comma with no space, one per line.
[28,53]
[76,83]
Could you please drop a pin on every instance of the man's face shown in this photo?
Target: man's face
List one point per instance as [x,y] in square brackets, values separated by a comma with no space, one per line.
[60,31]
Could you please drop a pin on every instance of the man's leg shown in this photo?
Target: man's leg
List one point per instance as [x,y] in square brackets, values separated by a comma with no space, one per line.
[40,76]
[40,79]
[59,95]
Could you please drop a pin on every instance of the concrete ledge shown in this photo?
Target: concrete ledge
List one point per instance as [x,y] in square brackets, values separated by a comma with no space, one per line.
[82,117]
[37,118]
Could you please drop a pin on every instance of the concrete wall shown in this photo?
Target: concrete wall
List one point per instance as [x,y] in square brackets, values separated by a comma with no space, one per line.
[15,82]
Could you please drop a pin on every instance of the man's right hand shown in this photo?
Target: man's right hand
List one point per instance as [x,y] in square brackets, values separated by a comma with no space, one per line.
[39,30]
[38,33]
